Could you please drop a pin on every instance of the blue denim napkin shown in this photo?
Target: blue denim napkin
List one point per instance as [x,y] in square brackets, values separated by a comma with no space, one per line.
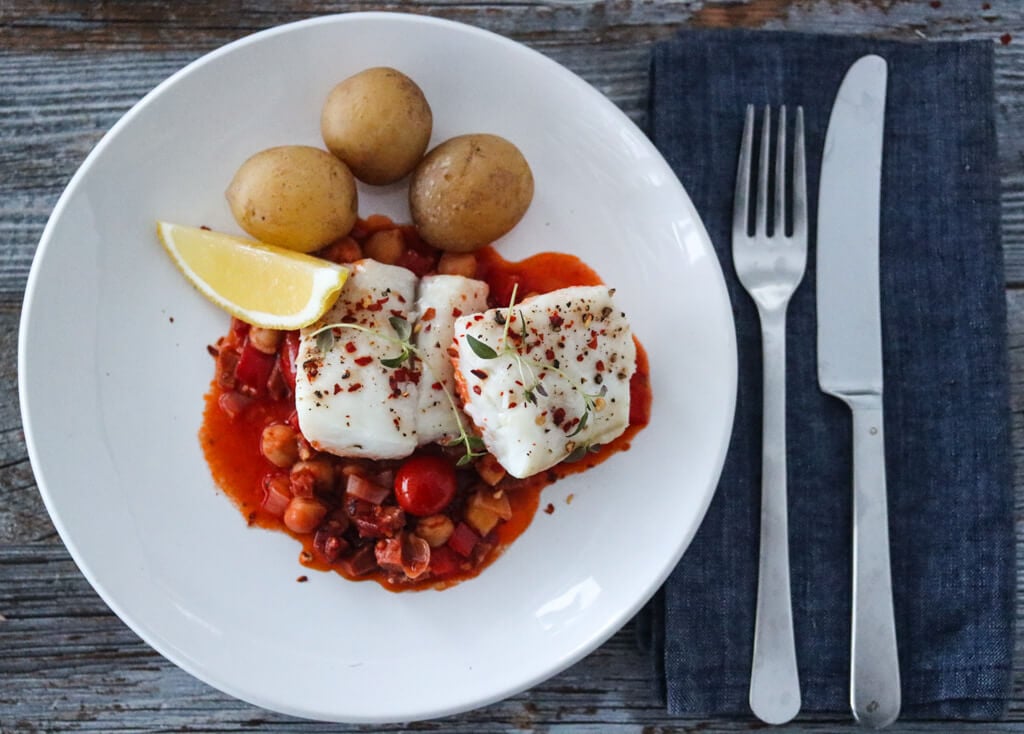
[946,385]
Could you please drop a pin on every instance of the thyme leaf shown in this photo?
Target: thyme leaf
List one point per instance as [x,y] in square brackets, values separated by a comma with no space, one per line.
[583,421]
[394,362]
[402,327]
[480,349]
[581,451]
[576,454]
[325,340]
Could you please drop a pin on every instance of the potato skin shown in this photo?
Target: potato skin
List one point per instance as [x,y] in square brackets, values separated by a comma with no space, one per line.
[379,123]
[294,196]
[469,191]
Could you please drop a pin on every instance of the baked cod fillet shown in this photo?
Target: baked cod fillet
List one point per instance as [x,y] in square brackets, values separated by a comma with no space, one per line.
[348,402]
[550,382]
[441,301]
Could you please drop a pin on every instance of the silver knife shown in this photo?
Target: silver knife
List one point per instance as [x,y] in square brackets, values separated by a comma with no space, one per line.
[850,368]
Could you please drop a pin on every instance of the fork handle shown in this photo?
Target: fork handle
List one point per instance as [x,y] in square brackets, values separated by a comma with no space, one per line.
[774,681]
[874,662]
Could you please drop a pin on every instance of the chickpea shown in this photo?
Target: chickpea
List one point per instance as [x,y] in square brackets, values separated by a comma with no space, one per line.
[385,246]
[435,529]
[280,445]
[304,515]
[321,470]
[265,340]
[457,263]
[345,250]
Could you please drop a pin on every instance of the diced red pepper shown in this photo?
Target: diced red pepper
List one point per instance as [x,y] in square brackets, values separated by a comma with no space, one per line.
[389,554]
[444,562]
[502,287]
[639,400]
[233,403]
[287,356]
[254,369]
[239,329]
[361,562]
[418,263]
[276,494]
[227,363]
[277,388]
[303,483]
[463,540]
[328,540]
[384,522]
[364,489]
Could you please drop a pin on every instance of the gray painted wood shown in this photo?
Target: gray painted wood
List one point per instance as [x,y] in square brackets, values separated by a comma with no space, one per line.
[68,70]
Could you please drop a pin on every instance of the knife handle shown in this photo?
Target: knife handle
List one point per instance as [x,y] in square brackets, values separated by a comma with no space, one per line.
[874,662]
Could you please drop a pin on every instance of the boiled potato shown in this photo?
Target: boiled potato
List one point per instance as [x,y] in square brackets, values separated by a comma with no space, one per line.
[378,122]
[294,196]
[469,191]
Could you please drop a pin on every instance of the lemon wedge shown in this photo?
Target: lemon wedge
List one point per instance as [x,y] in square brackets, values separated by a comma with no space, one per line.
[263,285]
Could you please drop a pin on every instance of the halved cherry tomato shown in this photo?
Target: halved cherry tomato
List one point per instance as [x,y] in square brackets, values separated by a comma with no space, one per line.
[425,485]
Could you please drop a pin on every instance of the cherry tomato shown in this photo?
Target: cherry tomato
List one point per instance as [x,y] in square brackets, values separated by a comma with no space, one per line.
[424,485]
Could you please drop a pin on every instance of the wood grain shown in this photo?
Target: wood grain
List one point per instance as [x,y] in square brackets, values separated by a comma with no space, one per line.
[69,70]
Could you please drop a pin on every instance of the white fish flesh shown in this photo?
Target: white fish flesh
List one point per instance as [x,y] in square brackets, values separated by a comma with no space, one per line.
[553,383]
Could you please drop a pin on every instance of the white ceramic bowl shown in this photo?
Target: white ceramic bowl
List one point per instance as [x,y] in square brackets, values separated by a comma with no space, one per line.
[113,369]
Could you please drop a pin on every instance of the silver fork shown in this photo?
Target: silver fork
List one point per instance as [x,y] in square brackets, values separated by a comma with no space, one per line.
[770,268]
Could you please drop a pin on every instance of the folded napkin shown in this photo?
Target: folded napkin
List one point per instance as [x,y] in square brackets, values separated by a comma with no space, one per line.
[946,385]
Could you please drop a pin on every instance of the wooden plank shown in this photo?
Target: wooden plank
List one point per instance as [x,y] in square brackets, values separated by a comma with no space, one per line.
[23,517]
[147,26]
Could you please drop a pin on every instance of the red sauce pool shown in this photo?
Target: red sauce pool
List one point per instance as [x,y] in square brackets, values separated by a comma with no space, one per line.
[232,444]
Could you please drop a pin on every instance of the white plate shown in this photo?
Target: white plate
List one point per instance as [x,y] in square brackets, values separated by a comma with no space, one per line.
[113,369]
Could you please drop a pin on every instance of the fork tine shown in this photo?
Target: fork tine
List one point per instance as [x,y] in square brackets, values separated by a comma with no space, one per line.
[779,226]
[799,180]
[741,198]
[761,216]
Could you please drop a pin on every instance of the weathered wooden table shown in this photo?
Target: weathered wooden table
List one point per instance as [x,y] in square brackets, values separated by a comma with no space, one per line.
[68,70]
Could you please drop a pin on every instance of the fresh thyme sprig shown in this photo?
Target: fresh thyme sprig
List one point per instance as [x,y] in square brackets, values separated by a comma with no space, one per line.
[592,402]
[473,445]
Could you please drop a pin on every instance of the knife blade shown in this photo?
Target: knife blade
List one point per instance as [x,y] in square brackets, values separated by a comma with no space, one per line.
[850,368]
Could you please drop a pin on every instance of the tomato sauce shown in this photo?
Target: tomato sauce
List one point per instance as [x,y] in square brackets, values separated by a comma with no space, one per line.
[232,424]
